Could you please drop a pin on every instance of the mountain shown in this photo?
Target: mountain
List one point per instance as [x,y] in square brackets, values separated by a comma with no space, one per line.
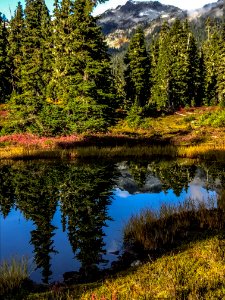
[134,13]
[211,10]
[118,24]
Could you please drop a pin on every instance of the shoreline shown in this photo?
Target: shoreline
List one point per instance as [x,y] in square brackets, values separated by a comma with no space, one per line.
[204,151]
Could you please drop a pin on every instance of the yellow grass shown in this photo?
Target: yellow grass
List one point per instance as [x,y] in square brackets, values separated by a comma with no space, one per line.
[198,151]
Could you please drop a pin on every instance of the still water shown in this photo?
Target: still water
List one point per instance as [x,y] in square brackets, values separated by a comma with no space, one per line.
[67,216]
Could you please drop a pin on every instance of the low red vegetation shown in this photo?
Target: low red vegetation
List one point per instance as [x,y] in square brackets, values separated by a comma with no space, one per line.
[34,141]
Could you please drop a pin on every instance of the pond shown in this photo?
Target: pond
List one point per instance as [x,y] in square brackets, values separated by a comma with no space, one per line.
[69,216]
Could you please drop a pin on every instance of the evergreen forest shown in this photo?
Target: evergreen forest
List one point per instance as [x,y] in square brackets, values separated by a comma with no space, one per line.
[57,76]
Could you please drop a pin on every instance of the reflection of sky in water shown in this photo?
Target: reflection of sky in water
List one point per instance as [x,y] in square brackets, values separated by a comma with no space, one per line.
[125,205]
[15,230]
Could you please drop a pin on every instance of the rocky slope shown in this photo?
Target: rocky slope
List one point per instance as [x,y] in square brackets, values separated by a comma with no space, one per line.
[119,23]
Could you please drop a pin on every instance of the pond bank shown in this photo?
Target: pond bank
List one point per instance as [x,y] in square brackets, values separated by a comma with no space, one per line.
[207,152]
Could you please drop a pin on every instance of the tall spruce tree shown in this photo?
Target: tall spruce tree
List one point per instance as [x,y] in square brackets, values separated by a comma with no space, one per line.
[81,81]
[211,60]
[137,72]
[15,53]
[177,69]
[194,94]
[5,88]
[28,104]
[221,65]
[161,70]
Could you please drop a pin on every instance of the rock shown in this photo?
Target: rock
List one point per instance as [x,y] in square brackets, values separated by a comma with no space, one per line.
[136,263]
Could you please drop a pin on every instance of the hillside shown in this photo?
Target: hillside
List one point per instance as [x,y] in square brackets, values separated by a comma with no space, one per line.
[118,24]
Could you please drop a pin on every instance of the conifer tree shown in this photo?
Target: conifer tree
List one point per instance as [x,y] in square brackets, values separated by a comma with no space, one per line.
[15,46]
[81,81]
[194,95]
[177,70]
[4,67]
[28,104]
[221,65]
[137,73]
[161,71]
[211,61]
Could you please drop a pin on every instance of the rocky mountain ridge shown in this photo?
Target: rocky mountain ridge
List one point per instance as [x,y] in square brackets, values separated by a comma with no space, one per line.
[119,23]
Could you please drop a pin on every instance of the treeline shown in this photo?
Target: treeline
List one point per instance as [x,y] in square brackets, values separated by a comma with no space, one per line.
[56,75]
[55,72]
[175,72]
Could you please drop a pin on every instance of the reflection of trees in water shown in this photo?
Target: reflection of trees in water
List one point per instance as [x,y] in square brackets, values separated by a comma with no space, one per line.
[85,193]
[36,195]
[139,171]
[7,197]
[85,196]
[173,175]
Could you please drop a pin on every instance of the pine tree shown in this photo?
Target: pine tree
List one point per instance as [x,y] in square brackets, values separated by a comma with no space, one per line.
[82,80]
[137,73]
[177,69]
[211,61]
[160,72]
[4,66]
[180,38]
[221,65]
[194,95]
[28,104]
[15,53]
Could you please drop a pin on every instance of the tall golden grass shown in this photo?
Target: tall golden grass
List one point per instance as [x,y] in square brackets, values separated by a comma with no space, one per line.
[200,151]
[172,224]
[13,273]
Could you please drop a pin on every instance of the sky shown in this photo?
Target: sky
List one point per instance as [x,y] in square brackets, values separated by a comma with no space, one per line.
[10,5]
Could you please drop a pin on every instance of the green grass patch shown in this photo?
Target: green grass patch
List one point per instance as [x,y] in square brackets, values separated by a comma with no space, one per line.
[195,273]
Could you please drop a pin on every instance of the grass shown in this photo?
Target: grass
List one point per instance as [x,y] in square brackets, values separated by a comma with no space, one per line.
[208,152]
[13,275]
[191,269]
[188,133]
[153,231]
[195,273]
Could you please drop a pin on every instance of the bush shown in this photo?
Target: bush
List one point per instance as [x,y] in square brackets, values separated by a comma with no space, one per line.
[214,119]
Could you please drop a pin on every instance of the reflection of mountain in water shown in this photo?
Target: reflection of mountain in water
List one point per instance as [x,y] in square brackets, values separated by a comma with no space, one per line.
[158,178]
[127,182]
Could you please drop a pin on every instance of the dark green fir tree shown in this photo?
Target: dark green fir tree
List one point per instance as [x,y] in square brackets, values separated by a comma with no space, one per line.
[221,65]
[15,53]
[211,50]
[28,103]
[81,82]
[160,72]
[5,87]
[137,72]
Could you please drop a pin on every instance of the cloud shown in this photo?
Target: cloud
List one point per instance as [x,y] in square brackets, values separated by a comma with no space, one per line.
[122,194]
